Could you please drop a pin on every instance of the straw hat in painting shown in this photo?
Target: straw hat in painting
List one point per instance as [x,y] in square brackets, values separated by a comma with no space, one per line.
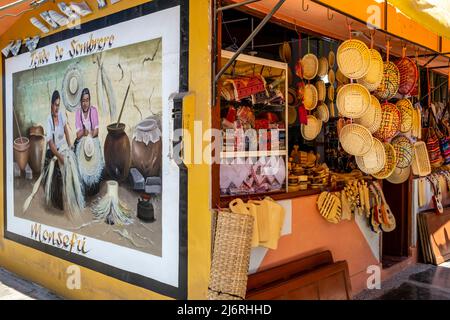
[90,160]
[72,87]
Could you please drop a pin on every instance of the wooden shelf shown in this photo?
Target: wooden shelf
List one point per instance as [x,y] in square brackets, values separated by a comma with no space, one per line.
[252,154]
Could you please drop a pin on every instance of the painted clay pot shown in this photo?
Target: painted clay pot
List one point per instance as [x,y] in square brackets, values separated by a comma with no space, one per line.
[117,152]
[146,150]
[21,152]
[37,146]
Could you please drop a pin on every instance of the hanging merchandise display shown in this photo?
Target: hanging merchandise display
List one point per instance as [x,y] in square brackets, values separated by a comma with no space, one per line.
[329,206]
[322,113]
[390,122]
[374,76]
[420,163]
[353,58]
[390,163]
[353,100]
[404,151]
[371,119]
[374,160]
[321,90]
[285,52]
[356,139]
[310,97]
[399,175]
[391,78]
[310,66]
[409,74]
[406,114]
[312,129]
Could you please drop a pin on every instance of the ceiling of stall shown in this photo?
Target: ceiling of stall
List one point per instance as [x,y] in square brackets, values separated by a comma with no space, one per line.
[318,20]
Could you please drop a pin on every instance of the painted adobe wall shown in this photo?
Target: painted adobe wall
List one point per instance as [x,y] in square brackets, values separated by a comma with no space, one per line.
[49,271]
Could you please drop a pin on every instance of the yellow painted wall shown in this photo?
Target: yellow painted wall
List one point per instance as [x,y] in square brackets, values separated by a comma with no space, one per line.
[49,271]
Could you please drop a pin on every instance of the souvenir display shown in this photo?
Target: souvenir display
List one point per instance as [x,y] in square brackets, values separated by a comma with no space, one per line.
[353,58]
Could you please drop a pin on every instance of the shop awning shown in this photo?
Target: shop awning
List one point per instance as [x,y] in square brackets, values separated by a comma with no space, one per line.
[432,14]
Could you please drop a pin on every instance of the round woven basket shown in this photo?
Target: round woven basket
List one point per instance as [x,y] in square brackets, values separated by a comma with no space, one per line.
[311,130]
[330,93]
[389,85]
[355,139]
[353,58]
[399,175]
[331,59]
[323,67]
[390,122]
[353,100]
[321,90]
[389,165]
[371,119]
[285,52]
[310,66]
[341,79]
[409,75]
[374,160]
[403,150]
[374,76]
[322,113]
[406,114]
[292,97]
[331,76]
[292,115]
[421,162]
[310,97]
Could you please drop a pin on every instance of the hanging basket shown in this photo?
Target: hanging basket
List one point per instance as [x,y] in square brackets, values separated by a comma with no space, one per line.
[310,66]
[353,100]
[331,77]
[390,122]
[373,161]
[434,150]
[355,139]
[330,93]
[404,151]
[374,76]
[421,163]
[406,114]
[310,97]
[353,58]
[390,164]
[311,130]
[399,175]
[391,80]
[322,113]
[321,90]
[323,67]
[409,75]
[371,119]
[231,256]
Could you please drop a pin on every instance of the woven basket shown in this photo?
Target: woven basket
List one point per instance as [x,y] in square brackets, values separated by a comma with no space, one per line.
[403,150]
[310,97]
[406,114]
[321,90]
[310,66]
[322,71]
[330,93]
[311,130]
[371,119]
[292,97]
[353,100]
[231,256]
[292,115]
[390,122]
[285,52]
[331,59]
[409,75]
[391,80]
[322,113]
[390,164]
[374,76]
[399,175]
[341,79]
[434,150]
[353,58]
[421,163]
[374,160]
[332,109]
[331,76]
[356,139]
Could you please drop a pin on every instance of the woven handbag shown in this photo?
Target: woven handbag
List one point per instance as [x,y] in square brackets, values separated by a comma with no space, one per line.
[433,148]
[231,256]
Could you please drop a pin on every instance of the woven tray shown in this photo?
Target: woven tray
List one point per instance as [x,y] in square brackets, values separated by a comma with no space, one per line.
[399,175]
[322,113]
[341,79]
[406,114]
[390,83]
[374,76]
[409,75]
[331,76]
[421,163]
[310,97]
[231,256]
[310,66]
[323,67]
[390,164]
[330,93]
[353,100]
[353,58]
[321,90]
[371,119]
[356,139]
[374,160]
[390,122]
[311,130]
[403,150]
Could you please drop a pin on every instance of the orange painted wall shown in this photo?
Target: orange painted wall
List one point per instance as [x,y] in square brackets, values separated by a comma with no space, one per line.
[311,233]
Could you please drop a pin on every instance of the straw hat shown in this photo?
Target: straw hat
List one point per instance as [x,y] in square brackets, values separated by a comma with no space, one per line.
[374,76]
[390,83]
[323,67]
[404,151]
[371,119]
[406,113]
[285,52]
[374,160]
[356,139]
[72,87]
[390,163]
[310,66]
[90,160]
[390,122]
[311,130]
[399,175]
[321,90]
[353,100]
[353,58]
[310,97]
